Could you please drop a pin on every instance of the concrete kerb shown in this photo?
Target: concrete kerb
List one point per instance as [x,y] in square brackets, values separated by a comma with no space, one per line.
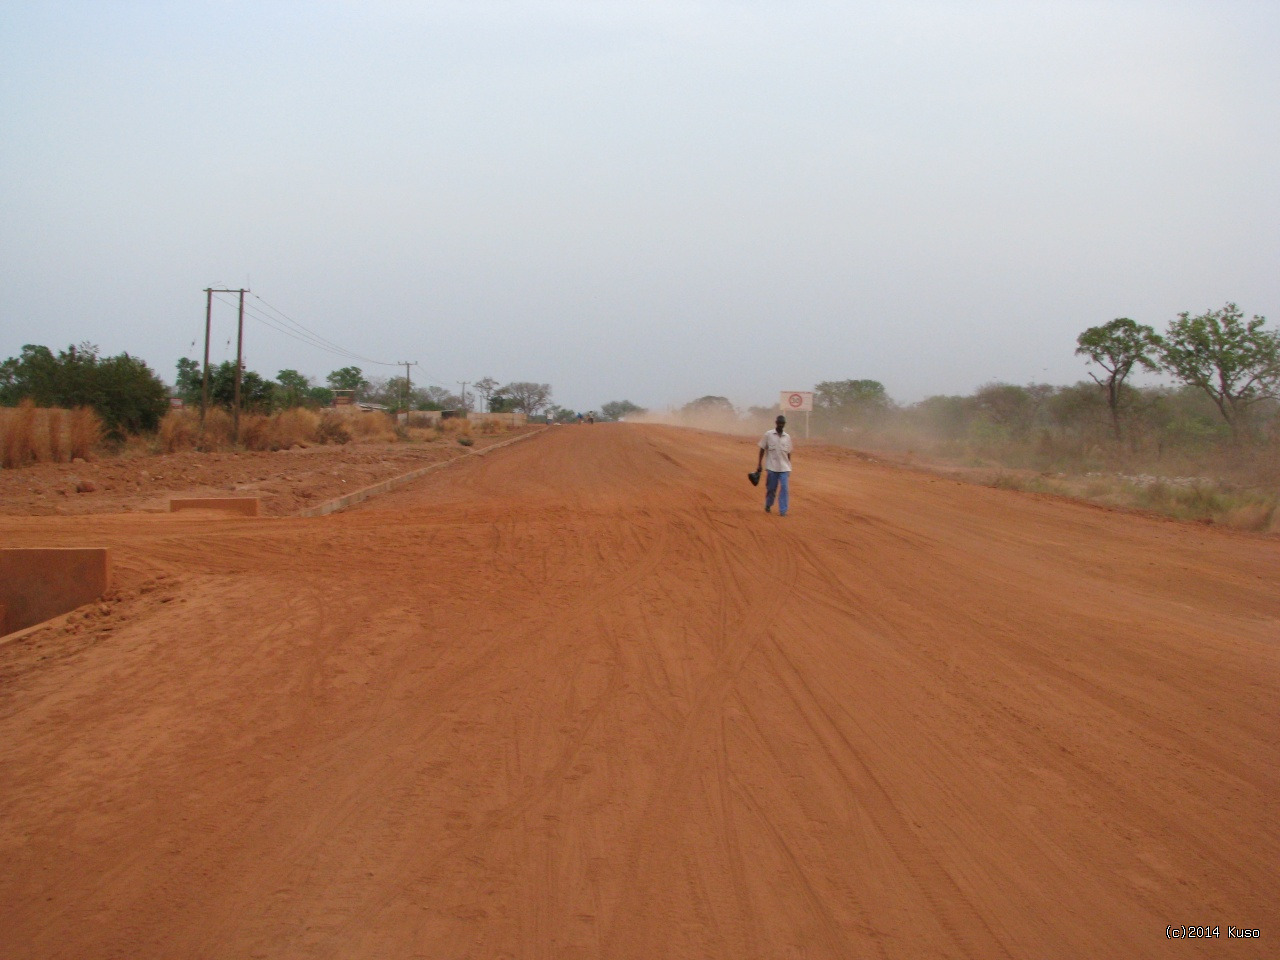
[364,493]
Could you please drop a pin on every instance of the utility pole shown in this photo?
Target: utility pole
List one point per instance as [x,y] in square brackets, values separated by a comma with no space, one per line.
[464,394]
[408,384]
[235,417]
[204,383]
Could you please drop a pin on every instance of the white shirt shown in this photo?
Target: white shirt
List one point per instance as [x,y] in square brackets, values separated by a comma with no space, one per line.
[777,451]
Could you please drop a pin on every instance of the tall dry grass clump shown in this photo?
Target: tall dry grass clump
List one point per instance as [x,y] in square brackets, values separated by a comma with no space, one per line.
[296,426]
[333,428]
[219,430]
[256,432]
[18,446]
[84,430]
[31,434]
[179,430]
[373,426]
[55,444]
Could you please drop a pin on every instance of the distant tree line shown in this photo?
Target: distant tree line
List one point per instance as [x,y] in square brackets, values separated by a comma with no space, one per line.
[1226,394]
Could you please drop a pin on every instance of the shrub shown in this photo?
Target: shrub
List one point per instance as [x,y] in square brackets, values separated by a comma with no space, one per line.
[295,426]
[56,448]
[332,428]
[256,432]
[179,430]
[372,425]
[218,429]
[85,431]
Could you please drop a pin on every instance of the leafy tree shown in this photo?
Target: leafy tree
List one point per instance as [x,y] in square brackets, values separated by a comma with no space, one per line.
[348,378]
[319,397]
[124,391]
[528,398]
[432,397]
[710,404]
[257,393]
[498,403]
[617,409]
[845,402]
[293,388]
[1116,347]
[559,414]
[1011,408]
[1237,363]
[190,381]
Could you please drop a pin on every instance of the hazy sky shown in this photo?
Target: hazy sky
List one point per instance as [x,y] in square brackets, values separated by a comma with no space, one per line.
[644,200]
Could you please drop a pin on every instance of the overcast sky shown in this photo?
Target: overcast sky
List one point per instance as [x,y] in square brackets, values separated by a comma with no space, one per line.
[636,200]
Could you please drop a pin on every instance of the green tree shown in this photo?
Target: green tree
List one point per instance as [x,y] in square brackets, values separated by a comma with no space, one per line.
[848,403]
[1116,347]
[1234,361]
[710,404]
[292,388]
[348,378]
[526,397]
[256,392]
[123,390]
[617,409]
[190,381]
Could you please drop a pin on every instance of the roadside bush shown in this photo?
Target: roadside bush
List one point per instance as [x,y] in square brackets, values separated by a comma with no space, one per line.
[295,426]
[31,434]
[19,444]
[55,445]
[333,428]
[219,429]
[85,432]
[256,432]
[372,425]
[179,430]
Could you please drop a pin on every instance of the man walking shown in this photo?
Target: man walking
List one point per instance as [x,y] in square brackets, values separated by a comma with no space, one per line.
[775,456]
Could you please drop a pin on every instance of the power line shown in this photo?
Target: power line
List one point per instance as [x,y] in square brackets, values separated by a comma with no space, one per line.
[303,335]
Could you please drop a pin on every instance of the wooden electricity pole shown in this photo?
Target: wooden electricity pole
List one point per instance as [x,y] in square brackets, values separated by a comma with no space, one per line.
[204,383]
[235,416]
[408,384]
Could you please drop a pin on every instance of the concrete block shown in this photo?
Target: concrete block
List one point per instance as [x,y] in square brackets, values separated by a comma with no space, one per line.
[39,583]
[244,506]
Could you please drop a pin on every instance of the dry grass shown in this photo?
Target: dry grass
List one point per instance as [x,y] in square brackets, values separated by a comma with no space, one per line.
[333,428]
[31,434]
[179,430]
[55,442]
[219,429]
[1200,500]
[455,425]
[85,430]
[296,427]
[372,426]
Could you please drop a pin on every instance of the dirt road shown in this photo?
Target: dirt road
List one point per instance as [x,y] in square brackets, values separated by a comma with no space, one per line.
[584,698]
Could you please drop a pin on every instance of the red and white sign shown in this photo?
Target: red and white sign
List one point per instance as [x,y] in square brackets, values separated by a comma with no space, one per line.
[801,401]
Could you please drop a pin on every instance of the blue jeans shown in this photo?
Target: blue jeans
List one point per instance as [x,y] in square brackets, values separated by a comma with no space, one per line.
[775,484]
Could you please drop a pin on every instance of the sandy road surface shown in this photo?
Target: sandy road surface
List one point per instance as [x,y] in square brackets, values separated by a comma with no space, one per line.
[583,698]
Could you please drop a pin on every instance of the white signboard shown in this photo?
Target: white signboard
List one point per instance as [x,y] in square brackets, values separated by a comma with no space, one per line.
[801,401]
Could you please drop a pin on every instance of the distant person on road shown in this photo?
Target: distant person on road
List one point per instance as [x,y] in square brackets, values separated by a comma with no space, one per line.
[775,457]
